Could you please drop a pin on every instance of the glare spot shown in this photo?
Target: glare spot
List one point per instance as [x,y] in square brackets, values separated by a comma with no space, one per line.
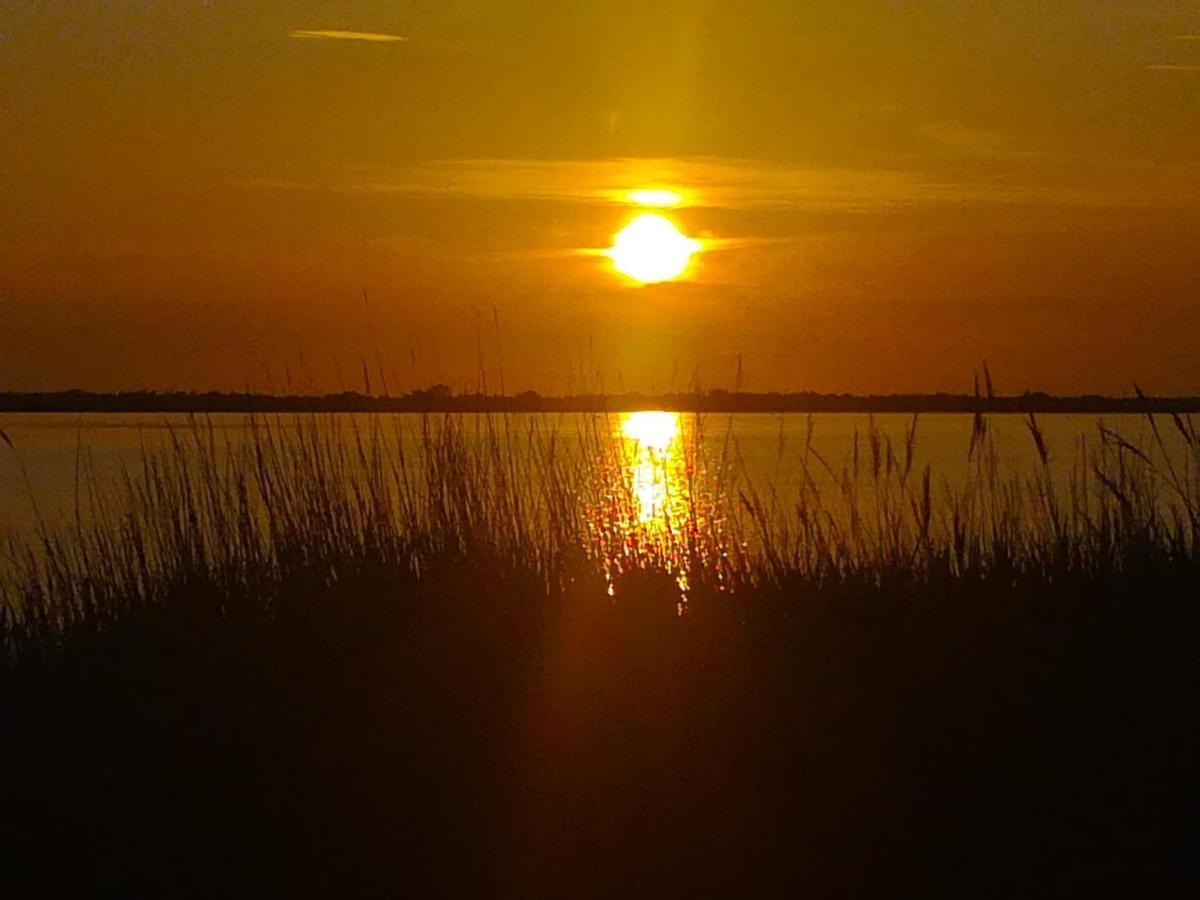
[653,430]
[654,197]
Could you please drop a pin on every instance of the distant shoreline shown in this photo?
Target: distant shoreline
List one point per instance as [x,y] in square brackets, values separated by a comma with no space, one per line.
[713,401]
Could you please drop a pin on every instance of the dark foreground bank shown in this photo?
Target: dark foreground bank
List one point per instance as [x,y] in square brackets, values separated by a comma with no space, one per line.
[465,734]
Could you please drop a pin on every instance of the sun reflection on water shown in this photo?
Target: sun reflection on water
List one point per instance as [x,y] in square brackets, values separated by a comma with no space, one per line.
[659,509]
[651,448]
[656,430]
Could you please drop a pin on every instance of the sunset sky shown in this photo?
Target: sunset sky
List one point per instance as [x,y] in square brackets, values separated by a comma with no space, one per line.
[198,195]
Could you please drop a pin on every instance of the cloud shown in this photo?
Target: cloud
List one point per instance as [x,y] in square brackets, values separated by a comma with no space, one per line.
[708,182]
[1172,67]
[334,35]
[1187,37]
[745,184]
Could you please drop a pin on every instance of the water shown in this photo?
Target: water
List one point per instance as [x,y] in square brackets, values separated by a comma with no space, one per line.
[59,457]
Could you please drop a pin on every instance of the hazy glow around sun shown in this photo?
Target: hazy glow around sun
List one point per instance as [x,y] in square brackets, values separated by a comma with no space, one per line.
[651,249]
[655,197]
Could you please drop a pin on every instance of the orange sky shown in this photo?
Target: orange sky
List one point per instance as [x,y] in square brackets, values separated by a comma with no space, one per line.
[196,195]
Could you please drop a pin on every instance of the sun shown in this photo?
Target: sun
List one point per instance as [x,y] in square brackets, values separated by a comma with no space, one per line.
[651,249]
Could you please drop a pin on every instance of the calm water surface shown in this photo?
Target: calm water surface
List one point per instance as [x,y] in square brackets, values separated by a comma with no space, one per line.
[56,452]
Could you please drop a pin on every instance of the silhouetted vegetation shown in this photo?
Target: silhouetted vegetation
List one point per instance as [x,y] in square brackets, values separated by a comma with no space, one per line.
[440,398]
[316,666]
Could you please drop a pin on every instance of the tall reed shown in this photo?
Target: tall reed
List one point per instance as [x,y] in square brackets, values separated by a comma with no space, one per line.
[308,501]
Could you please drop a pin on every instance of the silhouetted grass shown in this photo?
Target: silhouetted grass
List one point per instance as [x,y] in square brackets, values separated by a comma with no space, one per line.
[319,664]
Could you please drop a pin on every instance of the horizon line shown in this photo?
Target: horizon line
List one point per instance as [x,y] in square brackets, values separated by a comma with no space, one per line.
[718,400]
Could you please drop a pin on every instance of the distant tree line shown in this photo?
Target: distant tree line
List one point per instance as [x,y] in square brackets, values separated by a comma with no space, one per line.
[440,398]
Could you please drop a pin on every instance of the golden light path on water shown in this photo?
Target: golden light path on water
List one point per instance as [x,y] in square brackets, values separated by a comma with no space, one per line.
[662,510]
[652,446]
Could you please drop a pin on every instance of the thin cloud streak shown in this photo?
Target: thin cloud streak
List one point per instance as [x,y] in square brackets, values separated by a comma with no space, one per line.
[334,35]
[1170,67]
[714,183]
[756,184]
